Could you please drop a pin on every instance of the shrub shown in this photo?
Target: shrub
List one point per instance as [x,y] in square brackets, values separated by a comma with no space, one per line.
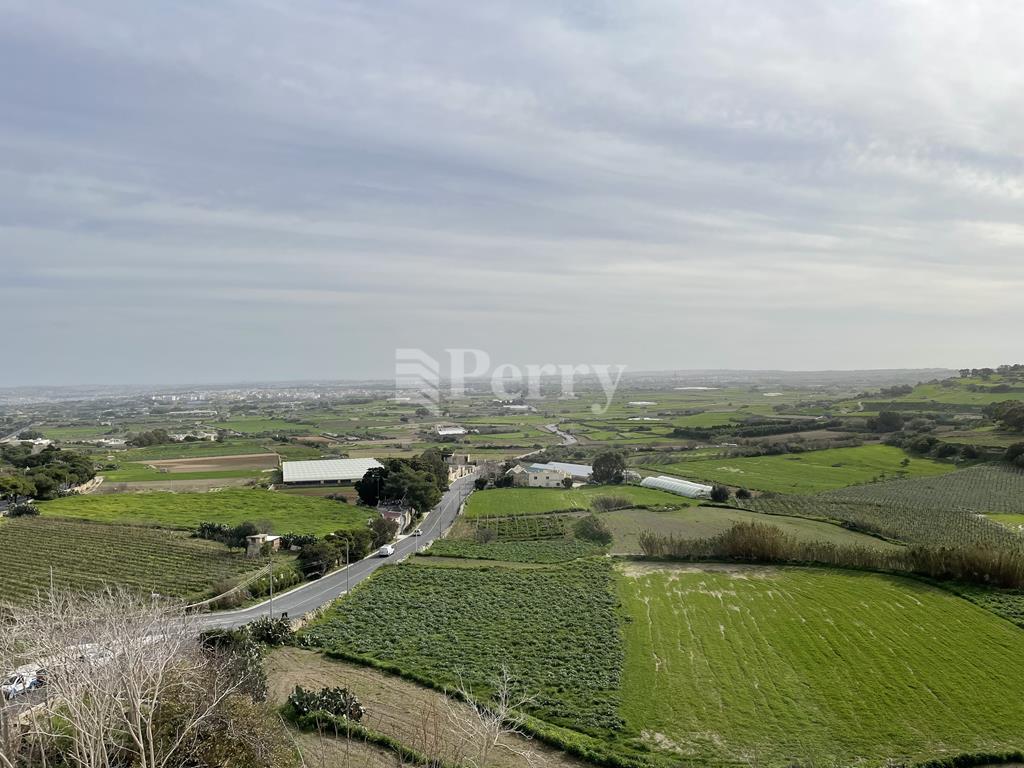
[720,494]
[591,528]
[609,503]
[336,702]
[272,632]
[22,509]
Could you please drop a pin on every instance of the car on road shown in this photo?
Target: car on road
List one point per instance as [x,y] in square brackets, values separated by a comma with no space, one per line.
[386,551]
[21,683]
[418,532]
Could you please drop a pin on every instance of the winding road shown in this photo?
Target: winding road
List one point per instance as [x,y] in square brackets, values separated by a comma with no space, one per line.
[312,595]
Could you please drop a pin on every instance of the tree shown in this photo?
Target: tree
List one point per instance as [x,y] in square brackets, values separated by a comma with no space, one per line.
[417,488]
[383,531]
[1015,455]
[131,683]
[720,494]
[608,468]
[13,487]
[886,421]
[567,482]
[1009,414]
[370,485]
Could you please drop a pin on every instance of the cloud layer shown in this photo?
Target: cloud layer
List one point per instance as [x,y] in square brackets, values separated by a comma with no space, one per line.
[279,190]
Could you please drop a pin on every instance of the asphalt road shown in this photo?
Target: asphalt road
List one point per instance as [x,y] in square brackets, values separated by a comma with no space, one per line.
[304,599]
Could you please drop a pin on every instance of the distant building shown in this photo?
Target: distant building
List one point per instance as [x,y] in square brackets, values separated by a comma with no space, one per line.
[537,476]
[459,465]
[326,471]
[397,512]
[254,544]
[449,431]
[580,473]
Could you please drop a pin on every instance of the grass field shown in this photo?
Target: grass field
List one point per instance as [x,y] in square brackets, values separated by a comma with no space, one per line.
[554,627]
[88,556]
[810,472]
[541,551]
[506,502]
[813,667]
[285,514]
[255,426]
[1013,522]
[702,522]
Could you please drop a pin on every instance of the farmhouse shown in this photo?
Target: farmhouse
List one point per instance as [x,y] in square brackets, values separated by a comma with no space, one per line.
[537,476]
[580,473]
[397,512]
[254,544]
[326,472]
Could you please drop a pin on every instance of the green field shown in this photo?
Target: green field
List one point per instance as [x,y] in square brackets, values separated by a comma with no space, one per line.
[506,502]
[554,627]
[810,472]
[285,514]
[88,556]
[1013,522]
[814,667]
[541,551]
[704,522]
[256,425]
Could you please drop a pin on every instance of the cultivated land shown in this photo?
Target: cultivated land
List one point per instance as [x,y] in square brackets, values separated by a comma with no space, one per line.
[555,627]
[417,717]
[809,472]
[804,665]
[284,513]
[88,556]
[704,522]
[504,502]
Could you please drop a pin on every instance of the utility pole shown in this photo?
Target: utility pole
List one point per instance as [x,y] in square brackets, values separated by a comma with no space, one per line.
[347,564]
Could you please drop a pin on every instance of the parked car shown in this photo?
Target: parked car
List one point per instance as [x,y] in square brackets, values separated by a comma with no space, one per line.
[22,683]
[386,551]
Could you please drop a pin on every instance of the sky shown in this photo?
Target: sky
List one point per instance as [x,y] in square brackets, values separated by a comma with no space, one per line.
[211,190]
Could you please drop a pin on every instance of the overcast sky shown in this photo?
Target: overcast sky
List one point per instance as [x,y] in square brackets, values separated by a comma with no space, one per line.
[222,191]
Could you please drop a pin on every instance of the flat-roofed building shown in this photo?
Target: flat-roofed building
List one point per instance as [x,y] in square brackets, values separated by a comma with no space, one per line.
[326,471]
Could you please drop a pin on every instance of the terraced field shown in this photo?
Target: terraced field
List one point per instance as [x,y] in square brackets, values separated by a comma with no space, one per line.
[804,666]
[506,502]
[550,551]
[284,513]
[88,556]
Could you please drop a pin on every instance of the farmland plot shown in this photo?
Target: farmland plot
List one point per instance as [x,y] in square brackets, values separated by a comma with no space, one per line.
[284,513]
[505,502]
[555,627]
[803,666]
[995,488]
[88,556]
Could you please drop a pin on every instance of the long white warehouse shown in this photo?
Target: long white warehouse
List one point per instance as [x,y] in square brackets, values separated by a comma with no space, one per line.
[678,486]
[326,471]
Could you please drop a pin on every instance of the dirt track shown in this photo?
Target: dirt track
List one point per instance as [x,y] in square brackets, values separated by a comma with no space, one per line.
[217,463]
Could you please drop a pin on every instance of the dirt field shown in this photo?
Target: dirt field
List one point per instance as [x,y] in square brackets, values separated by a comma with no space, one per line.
[417,717]
[217,463]
[181,486]
[329,752]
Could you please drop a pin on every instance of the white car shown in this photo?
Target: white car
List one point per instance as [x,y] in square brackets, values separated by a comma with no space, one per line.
[18,684]
[418,532]
[386,551]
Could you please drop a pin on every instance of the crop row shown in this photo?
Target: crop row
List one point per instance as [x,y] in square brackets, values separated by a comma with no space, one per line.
[85,556]
[555,628]
[523,527]
[545,551]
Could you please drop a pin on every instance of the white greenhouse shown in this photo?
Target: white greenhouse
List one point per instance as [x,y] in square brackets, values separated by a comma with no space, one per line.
[678,486]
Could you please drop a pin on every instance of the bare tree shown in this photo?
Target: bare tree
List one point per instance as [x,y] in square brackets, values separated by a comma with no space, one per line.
[494,726]
[126,677]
